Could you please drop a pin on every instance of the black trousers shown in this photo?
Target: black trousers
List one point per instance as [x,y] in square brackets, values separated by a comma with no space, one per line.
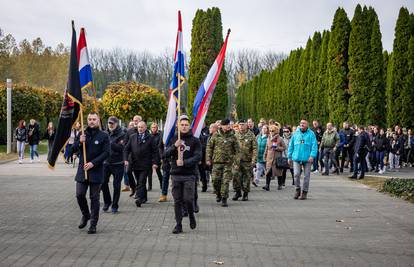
[141,179]
[159,174]
[183,193]
[269,177]
[284,176]
[117,171]
[360,164]
[131,179]
[347,152]
[203,177]
[94,190]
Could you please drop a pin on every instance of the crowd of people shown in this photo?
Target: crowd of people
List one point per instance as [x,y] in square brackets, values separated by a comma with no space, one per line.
[226,151]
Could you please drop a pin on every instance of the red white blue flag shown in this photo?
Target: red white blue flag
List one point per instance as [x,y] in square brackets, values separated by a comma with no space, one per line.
[206,90]
[178,74]
[85,70]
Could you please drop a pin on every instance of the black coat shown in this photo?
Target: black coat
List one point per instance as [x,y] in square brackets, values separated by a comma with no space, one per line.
[144,152]
[34,134]
[49,137]
[158,139]
[98,150]
[362,144]
[21,134]
[191,155]
[381,143]
[204,137]
[117,141]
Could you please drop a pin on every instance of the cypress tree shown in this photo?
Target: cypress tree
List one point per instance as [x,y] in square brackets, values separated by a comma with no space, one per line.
[407,118]
[320,100]
[338,68]
[303,80]
[398,85]
[310,90]
[375,110]
[358,64]
[206,42]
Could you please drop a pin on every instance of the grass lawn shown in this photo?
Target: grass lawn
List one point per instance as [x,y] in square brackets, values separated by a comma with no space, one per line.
[42,149]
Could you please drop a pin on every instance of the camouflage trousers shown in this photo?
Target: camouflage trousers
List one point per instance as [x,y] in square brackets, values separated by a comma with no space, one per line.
[221,176]
[242,177]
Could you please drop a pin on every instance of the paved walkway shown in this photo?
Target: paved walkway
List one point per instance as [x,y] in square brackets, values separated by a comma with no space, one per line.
[342,224]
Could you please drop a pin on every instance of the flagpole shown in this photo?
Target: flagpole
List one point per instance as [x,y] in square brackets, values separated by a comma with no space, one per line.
[83,143]
[181,81]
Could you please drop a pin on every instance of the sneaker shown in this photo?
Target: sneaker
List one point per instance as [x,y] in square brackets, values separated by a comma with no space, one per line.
[162,198]
[20,161]
[114,211]
[126,189]
[380,171]
[315,171]
[31,161]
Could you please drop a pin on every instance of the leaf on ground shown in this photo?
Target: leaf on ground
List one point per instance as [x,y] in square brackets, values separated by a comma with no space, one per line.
[357,210]
[337,220]
[218,262]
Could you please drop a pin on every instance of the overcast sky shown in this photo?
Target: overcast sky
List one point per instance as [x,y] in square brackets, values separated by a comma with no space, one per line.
[151,25]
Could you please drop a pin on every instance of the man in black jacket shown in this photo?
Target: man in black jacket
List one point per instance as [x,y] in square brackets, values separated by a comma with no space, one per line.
[185,154]
[361,148]
[348,149]
[202,167]
[97,151]
[144,156]
[114,165]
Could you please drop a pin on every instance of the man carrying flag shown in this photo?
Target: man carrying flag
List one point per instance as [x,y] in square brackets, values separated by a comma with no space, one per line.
[173,104]
[93,142]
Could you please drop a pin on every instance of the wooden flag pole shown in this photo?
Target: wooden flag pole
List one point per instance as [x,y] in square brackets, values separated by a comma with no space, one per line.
[84,143]
[180,78]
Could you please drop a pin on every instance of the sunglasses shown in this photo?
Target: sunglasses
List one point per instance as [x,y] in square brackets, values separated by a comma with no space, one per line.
[110,122]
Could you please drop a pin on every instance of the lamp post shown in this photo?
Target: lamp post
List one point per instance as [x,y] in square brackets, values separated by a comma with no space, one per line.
[9,115]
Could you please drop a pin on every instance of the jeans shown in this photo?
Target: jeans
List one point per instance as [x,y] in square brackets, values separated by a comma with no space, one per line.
[126,180]
[94,190]
[329,154]
[260,171]
[347,152]
[20,149]
[315,162]
[379,155]
[33,151]
[159,174]
[297,171]
[394,160]
[117,172]
[360,164]
[165,181]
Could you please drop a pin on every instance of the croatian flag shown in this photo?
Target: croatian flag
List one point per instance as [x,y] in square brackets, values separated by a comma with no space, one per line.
[206,90]
[174,102]
[85,70]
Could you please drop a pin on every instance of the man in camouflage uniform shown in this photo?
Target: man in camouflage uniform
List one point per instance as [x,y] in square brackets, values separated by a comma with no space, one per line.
[243,170]
[222,152]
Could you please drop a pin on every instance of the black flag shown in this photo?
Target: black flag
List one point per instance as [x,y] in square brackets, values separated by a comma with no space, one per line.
[72,102]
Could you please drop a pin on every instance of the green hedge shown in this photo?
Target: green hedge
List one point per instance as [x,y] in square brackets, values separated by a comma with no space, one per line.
[403,188]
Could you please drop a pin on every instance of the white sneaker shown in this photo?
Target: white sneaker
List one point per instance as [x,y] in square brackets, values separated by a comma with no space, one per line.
[20,161]
[38,159]
[315,171]
[31,161]
[381,172]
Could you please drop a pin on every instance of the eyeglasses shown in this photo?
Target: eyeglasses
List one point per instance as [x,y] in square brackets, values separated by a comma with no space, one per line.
[110,122]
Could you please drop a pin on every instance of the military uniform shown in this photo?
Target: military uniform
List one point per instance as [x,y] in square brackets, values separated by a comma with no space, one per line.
[222,151]
[242,170]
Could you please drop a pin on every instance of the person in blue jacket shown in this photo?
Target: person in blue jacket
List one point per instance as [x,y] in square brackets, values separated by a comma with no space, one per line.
[303,149]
